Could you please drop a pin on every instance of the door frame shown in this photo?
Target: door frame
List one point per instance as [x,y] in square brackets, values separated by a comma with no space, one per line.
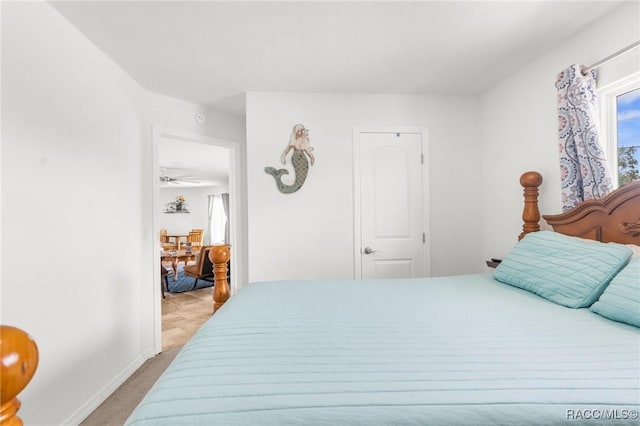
[357,225]
[234,213]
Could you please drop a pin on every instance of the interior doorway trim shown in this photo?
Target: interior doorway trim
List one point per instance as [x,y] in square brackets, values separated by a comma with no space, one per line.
[357,227]
[234,213]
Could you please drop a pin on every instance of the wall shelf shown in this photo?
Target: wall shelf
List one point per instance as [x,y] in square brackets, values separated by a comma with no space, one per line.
[177,206]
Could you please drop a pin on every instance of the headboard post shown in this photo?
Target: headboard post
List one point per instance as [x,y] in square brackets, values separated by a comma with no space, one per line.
[18,363]
[530,181]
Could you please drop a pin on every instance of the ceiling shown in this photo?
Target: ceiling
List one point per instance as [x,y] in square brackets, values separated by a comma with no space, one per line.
[192,164]
[211,52]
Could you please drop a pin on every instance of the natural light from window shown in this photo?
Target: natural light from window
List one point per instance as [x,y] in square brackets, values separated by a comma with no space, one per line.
[628,136]
[620,127]
[218,221]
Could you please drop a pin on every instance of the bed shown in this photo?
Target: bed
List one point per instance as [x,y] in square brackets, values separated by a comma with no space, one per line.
[460,350]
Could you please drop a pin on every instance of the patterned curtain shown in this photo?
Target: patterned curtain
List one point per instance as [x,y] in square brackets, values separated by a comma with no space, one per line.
[583,166]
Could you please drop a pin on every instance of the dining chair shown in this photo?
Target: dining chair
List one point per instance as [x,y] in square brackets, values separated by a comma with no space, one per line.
[196,238]
[202,269]
[164,241]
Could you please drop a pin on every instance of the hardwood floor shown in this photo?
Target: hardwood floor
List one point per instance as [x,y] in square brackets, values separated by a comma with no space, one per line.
[183,314]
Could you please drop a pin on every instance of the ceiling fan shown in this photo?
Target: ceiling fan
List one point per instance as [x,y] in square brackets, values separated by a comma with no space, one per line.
[176,180]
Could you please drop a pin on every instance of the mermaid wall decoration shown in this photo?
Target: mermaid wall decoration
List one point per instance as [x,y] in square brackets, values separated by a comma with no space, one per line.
[299,143]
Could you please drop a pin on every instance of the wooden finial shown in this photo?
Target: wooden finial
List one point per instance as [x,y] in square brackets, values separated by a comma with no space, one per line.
[219,256]
[18,363]
[530,181]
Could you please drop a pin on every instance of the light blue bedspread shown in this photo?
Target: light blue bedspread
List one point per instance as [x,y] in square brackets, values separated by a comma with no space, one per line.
[464,350]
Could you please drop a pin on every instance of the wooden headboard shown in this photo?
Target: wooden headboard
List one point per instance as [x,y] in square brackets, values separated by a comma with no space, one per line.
[614,218]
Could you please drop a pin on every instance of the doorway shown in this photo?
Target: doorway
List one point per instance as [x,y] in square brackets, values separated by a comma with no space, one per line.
[185,170]
[391,203]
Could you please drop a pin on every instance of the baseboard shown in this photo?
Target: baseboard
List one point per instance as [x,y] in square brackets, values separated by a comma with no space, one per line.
[94,402]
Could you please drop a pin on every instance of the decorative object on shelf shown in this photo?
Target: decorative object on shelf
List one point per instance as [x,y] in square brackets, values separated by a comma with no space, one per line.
[177,206]
[179,202]
[299,143]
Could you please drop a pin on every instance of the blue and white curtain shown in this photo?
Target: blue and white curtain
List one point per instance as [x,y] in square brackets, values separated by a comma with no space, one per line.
[584,171]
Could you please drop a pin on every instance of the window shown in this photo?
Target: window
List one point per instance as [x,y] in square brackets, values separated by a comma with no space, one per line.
[218,221]
[620,105]
[628,132]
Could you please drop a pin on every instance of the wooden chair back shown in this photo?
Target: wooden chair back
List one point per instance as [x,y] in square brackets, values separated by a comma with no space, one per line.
[203,268]
[164,241]
[196,237]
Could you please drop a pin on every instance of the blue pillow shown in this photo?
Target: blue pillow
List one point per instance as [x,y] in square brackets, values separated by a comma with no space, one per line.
[566,270]
[621,299]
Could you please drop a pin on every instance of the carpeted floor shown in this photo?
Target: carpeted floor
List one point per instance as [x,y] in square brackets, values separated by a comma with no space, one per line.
[115,410]
[184,283]
[119,406]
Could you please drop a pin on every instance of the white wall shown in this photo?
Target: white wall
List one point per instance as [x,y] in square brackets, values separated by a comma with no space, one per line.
[73,132]
[519,125]
[176,114]
[309,234]
[77,208]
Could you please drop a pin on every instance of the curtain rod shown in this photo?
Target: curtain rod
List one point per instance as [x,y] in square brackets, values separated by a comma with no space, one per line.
[612,56]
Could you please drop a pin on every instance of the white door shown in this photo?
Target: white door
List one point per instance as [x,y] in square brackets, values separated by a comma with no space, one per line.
[391,205]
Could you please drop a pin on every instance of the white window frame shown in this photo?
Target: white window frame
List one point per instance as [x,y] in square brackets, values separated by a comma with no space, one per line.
[609,118]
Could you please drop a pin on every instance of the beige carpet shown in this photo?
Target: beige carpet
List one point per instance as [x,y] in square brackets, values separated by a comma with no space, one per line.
[117,408]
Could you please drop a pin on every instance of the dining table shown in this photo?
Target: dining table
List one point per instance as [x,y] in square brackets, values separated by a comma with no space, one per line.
[177,239]
[177,256]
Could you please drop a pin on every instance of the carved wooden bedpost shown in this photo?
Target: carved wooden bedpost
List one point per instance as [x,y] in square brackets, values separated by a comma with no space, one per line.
[219,256]
[530,181]
[18,363]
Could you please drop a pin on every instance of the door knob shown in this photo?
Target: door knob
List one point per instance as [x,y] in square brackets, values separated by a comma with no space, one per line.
[369,250]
